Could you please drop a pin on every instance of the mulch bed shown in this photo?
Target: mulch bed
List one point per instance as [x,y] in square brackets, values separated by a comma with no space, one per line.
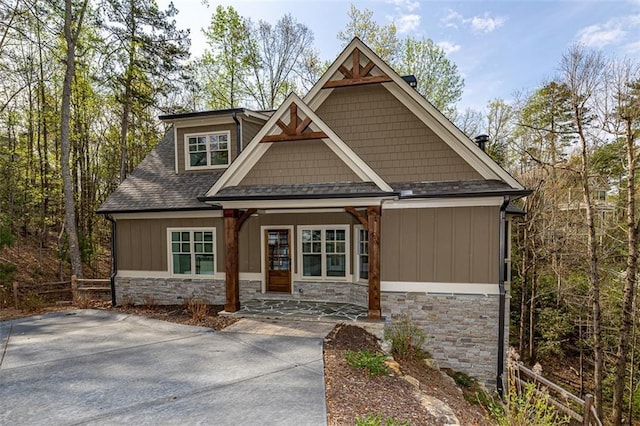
[351,394]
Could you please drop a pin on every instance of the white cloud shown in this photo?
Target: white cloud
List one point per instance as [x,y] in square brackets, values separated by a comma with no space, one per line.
[409,5]
[407,23]
[485,23]
[612,32]
[480,23]
[449,47]
[451,19]
[596,36]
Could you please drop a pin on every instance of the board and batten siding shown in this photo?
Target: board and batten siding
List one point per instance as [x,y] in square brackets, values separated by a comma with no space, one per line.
[142,243]
[181,143]
[449,245]
[307,161]
[390,138]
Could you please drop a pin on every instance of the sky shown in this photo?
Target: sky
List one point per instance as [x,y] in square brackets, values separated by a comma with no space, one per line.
[499,47]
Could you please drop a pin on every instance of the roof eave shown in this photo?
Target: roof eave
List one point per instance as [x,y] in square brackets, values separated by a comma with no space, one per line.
[180,209]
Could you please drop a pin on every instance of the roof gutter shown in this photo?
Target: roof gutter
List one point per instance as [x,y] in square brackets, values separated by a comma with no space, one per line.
[502,295]
[114,259]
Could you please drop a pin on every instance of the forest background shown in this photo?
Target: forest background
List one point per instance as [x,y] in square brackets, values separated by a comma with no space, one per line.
[84,82]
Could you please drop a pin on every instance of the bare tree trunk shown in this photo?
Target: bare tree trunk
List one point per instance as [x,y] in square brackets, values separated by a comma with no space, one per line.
[71,38]
[594,280]
[126,101]
[626,323]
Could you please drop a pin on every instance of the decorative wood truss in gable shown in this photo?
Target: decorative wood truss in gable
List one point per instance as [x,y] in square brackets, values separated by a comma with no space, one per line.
[358,74]
[295,130]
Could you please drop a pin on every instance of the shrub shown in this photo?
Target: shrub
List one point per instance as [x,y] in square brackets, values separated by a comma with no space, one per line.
[82,301]
[198,309]
[529,407]
[31,301]
[407,339]
[366,360]
[376,420]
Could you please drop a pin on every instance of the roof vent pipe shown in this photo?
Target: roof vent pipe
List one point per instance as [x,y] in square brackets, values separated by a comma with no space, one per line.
[481,141]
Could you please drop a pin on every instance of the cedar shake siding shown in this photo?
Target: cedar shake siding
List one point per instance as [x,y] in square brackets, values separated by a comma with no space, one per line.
[390,138]
[142,243]
[449,245]
[308,161]
[249,130]
[181,131]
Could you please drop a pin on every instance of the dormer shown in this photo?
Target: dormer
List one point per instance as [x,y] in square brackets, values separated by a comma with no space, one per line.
[211,140]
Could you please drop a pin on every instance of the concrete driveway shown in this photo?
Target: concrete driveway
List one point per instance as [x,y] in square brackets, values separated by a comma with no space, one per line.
[96,367]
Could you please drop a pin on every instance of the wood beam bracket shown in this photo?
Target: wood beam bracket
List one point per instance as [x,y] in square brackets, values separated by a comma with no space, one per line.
[361,218]
[295,130]
[245,215]
[357,75]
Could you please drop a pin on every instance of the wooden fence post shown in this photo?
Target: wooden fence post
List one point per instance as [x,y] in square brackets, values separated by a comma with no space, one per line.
[74,288]
[586,416]
[15,295]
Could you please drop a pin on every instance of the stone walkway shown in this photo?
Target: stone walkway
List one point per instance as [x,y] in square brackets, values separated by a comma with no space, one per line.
[300,309]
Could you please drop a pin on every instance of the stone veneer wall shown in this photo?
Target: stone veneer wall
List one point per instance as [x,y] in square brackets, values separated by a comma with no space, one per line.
[344,292]
[462,330]
[175,291]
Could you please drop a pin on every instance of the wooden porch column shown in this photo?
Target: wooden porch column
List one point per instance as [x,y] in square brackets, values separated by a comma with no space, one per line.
[233,221]
[373,220]
[232,269]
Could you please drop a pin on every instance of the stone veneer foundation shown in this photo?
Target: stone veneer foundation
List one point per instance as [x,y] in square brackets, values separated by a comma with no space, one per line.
[462,330]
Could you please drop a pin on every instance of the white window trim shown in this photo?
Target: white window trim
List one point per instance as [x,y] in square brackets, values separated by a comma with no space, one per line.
[188,166]
[324,228]
[356,254]
[192,252]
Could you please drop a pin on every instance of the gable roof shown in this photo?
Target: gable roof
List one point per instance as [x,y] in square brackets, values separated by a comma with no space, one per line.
[260,144]
[424,110]
[155,186]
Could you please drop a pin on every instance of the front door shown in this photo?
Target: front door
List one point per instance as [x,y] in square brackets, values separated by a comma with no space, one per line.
[278,260]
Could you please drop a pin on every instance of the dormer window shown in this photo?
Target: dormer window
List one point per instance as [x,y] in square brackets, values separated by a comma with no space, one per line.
[207,150]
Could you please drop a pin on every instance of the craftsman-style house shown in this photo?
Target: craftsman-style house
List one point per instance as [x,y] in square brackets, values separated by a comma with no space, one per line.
[361,192]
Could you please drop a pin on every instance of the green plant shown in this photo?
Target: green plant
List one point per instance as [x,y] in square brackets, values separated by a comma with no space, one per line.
[376,420]
[407,339]
[462,379]
[366,360]
[197,308]
[530,406]
[31,301]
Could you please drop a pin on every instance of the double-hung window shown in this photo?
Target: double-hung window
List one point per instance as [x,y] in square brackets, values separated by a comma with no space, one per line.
[324,251]
[207,150]
[362,253]
[192,251]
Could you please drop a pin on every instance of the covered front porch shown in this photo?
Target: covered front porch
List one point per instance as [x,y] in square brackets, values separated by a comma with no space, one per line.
[301,260]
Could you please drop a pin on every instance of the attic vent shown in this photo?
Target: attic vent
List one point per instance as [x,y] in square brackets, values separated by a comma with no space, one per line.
[481,141]
[411,79]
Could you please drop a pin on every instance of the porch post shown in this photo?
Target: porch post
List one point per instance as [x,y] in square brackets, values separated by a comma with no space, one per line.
[231,261]
[373,220]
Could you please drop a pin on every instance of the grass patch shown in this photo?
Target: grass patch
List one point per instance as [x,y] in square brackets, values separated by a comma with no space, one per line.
[364,359]
[377,420]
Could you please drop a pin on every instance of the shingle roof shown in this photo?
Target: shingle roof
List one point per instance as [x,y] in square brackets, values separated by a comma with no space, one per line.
[303,190]
[455,188]
[155,186]
[365,189]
